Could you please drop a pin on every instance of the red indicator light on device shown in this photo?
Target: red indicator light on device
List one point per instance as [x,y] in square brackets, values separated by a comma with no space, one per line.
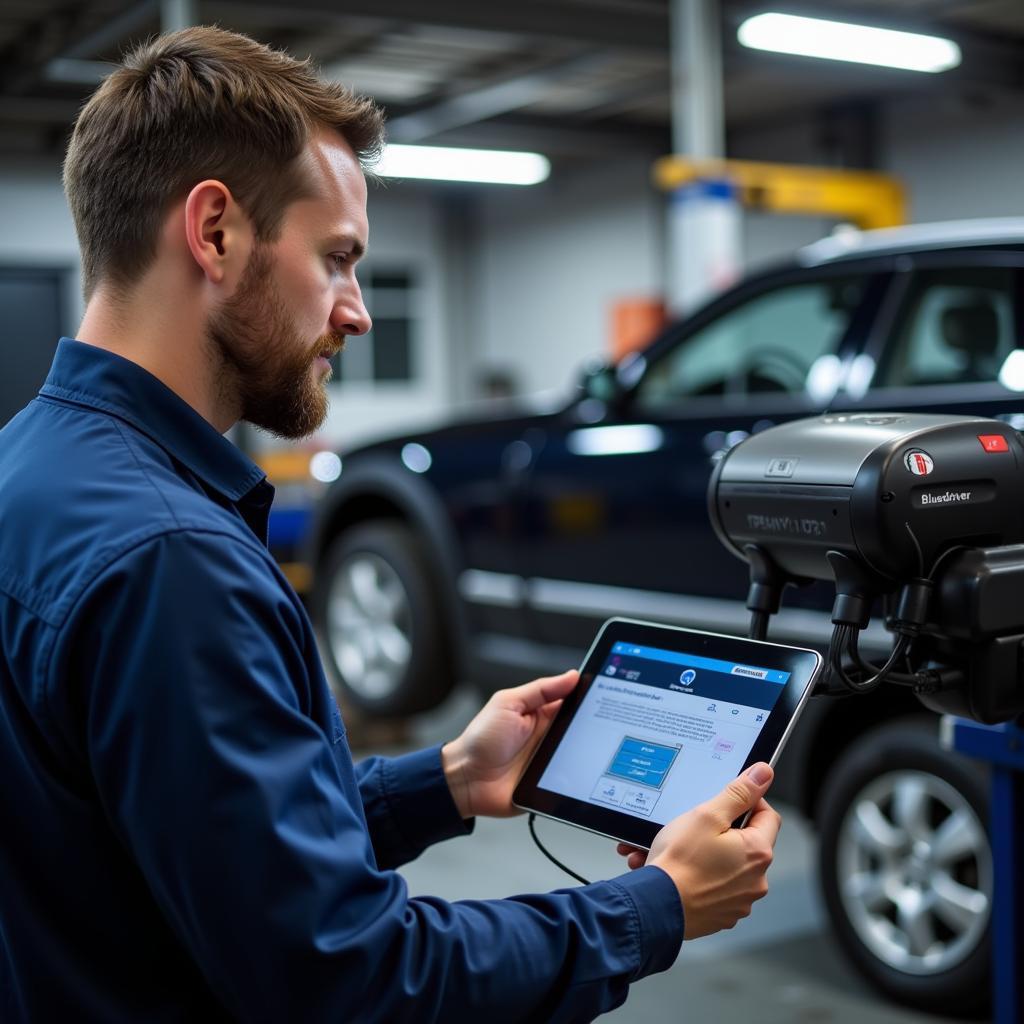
[993,442]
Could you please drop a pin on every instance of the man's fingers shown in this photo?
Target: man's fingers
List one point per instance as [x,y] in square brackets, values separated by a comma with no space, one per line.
[548,711]
[766,820]
[536,694]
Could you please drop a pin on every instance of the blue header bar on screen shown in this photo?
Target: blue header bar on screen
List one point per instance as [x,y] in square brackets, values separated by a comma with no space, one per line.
[769,675]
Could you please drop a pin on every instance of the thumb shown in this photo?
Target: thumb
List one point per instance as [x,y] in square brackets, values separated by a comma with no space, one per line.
[533,695]
[742,794]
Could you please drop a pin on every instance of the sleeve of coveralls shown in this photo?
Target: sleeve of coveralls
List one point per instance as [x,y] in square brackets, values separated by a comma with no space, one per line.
[408,805]
[203,755]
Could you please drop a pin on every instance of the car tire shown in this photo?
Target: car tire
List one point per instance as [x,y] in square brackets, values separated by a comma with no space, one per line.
[906,867]
[378,617]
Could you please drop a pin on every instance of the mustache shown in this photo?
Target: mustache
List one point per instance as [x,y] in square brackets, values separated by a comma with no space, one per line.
[329,345]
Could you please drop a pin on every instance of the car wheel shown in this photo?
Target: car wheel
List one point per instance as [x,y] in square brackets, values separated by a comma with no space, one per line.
[378,617]
[906,867]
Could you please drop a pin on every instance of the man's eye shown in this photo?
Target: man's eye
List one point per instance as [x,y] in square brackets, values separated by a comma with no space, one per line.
[340,259]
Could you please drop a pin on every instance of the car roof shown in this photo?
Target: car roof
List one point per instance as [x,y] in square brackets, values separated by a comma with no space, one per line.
[849,243]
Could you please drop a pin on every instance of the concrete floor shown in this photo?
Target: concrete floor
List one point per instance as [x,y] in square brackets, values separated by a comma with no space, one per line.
[780,966]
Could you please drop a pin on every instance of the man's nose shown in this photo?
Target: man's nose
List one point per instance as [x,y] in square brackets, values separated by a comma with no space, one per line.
[349,316]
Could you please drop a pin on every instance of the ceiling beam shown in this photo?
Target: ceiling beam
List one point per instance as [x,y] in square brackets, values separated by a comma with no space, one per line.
[77,72]
[618,99]
[23,58]
[55,39]
[114,32]
[489,101]
[642,27]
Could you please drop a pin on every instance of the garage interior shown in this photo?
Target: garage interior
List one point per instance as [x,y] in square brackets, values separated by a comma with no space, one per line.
[490,294]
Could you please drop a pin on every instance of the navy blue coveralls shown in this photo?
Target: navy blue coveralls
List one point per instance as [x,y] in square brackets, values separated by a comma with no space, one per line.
[183,834]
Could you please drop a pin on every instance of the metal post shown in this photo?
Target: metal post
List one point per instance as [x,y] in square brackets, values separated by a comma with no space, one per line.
[177,14]
[704,217]
[698,125]
[459,227]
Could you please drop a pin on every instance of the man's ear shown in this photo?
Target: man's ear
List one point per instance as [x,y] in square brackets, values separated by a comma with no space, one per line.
[218,232]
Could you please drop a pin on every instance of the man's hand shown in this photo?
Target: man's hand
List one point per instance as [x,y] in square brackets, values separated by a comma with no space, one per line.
[718,870]
[483,765]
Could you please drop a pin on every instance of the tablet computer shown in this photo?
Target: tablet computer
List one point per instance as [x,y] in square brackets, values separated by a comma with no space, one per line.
[661,720]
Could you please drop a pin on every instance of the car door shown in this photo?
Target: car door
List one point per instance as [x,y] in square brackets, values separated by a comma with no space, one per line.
[615,507]
[953,338]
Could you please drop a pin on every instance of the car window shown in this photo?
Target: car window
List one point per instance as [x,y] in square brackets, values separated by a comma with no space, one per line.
[767,344]
[956,327]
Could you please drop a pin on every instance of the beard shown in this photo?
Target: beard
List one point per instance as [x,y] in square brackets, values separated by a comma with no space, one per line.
[266,367]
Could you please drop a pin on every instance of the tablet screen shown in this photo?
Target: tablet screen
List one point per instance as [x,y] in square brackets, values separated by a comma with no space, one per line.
[661,720]
[659,731]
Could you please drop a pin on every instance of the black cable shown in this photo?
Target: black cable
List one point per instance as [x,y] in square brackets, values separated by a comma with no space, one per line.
[758,625]
[917,547]
[853,650]
[867,667]
[845,638]
[835,662]
[554,860]
[880,674]
[938,561]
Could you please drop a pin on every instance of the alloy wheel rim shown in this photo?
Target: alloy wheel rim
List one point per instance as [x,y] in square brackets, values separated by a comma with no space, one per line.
[915,872]
[369,626]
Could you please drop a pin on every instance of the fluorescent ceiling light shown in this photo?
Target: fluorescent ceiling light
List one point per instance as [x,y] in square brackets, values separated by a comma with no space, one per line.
[439,163]
[836,40]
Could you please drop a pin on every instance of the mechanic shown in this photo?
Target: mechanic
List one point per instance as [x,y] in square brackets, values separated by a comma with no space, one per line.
[185,834]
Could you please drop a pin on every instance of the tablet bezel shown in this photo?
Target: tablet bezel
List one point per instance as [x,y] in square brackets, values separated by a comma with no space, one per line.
[803,665]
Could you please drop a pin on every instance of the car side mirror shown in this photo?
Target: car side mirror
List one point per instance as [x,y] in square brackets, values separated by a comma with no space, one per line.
[600,381]
[610,383]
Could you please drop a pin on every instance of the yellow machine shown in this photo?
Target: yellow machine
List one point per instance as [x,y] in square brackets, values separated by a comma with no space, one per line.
[865,198]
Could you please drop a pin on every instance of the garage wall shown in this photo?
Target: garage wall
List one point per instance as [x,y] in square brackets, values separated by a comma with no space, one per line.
[961,158]
[37,226]
[554,258]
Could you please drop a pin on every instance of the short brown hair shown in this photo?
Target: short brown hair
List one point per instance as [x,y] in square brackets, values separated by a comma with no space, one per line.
[200,103]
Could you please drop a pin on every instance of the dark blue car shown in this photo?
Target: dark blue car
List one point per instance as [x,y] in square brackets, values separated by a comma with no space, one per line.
[492,548]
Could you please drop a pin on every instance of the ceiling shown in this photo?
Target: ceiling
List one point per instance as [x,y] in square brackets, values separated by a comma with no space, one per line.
[572,78]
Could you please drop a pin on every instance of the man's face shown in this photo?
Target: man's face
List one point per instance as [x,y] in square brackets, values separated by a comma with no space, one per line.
[298,300]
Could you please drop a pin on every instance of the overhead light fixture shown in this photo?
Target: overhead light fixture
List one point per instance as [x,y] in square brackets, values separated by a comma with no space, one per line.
[441,163]
[837,40]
